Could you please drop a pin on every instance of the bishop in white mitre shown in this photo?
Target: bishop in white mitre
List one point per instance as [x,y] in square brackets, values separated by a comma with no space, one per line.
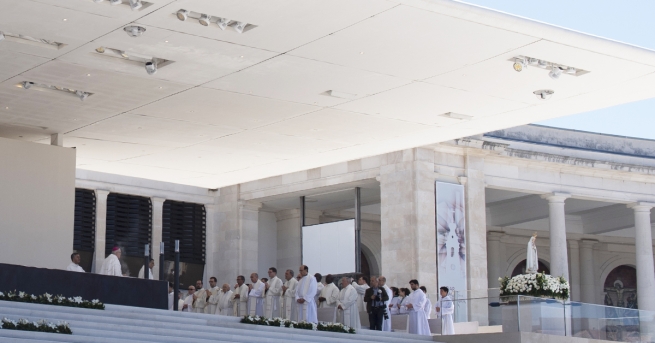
[256,296]
[240,297]
[212,292]
[330,293]
[532,261]
[347,305]
[361,286]
[386,322]
[112,265]
[447,309]
[415,304]
[199,298]
[305,293]
[274,287]
[289,295]
[225,301]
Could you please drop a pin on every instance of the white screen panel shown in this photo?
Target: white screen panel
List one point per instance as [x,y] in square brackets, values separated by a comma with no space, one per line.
[329,248]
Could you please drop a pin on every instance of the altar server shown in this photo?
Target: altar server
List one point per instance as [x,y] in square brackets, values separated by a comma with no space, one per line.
[256,296]
[273,293]
[240,297]
[187,306]
[225,301]
[428,304]
[347,305]
[199,298]
[330,293]
[289,292]
[361,286]
[386,323]
[418,323]
[212,296]
[319,287]
[112,265]
[75,263]
[447,309]
[305,293]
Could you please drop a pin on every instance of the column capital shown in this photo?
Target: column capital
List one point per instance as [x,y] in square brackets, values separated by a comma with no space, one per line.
[572,243]
[157,200]
[556,197]
[101,193]
[462,180]
[641,206]
[588,243]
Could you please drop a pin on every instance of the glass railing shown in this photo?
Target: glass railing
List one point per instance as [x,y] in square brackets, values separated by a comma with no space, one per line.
[552,317]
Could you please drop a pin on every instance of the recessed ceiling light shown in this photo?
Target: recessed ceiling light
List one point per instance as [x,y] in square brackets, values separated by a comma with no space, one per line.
[6,108]
[100,50]
[240,26]
[543,94]
[2,36]
[124,54]
[65,19]
[459,116]
[240,56]
[134,31]
[361,52]
[88,74]
[165,41]
[160,87]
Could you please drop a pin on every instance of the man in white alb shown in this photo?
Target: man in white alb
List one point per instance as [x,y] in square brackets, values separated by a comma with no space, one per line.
[256,296]
[112,264]
[305,293]
[212,293]
[75,263]
[187,306]
[225,301]
[199,298]
[319,287]
[361,286]
[151,265]
[240,297]
[274,291]
[348,313]
[415,303]
[428,304]
[447,309]
[289,293]
[171,296]
[330,293]
[386,322]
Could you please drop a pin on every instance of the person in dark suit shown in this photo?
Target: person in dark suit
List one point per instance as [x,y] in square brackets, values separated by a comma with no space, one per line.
[375,298]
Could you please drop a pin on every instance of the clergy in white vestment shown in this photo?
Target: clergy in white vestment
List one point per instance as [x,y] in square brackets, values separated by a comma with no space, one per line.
[187,306]
[225,301]
[200,298]
[348,314]
[256,296]
[305,293]
[386,322]
[330,293]
[240,297]
[394,303]
[171,297]
[212,292]
[274,291]
[289,295]
[151,265]
[415,303]
[447,309]
[112,265]
[75,263]
[319,287]
[428,304]
[361,286]
[180,301]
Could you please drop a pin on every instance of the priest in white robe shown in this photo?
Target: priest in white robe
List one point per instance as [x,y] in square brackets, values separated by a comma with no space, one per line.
[225,301]
[151,265]
[319,287]
[361,286]
[199,298]
[447,310]
[428,304]
[305,293]
[212,293]
[330,293]
[256,296]
[415,303]
[112,264]
[75,263]
[274,291]
[348,314]
[187,306]
[240,297]
[386,322]
[289,295]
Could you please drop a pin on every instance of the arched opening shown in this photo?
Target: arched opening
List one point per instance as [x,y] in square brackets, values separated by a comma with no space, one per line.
[520,268]
[366,270]
[620,287]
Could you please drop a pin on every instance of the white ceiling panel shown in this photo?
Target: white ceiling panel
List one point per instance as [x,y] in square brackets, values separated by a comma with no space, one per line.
[139,129]
[196,60]
[412,43]
[301,80]
[104,9]
[109,151]
[146,172]
[203,105]
[14,63]
[281,25]
[424,103]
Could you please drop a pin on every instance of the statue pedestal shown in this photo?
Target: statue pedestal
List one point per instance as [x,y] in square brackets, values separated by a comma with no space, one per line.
[545,316]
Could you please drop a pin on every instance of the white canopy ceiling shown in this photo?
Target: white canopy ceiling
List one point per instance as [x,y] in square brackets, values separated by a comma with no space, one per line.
[237,107]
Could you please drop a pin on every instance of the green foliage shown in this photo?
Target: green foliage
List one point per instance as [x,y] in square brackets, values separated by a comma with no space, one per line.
[48,299]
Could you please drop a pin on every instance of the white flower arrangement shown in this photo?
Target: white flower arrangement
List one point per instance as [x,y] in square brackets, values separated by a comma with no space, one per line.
[41,326]
[49,299]
[281,322]
[536,285]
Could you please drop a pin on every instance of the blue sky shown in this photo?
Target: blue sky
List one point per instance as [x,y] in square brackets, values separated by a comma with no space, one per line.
[629,21]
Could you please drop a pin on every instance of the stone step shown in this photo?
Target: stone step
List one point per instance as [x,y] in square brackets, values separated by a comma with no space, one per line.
[44,337]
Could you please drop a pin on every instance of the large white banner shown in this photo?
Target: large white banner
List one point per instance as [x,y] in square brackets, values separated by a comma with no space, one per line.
[329,248]
[451,243]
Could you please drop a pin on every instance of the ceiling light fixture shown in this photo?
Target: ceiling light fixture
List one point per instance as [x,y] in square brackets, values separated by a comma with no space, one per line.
[571,71]
[555,73]
[240,26]
[542,64]
[115,2]
[182,15]
[2,36]
[151,67]
[54,89]
[342,95]
[98,1]
[519,64]
[453,115]
[124,54]
[204,19]
[135,5]
[27,84]
[134,31]
[222,23]
[82,95]
[543,94]
[100,50]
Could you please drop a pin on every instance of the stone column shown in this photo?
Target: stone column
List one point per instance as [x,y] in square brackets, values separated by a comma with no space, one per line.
[249,237]
[288,238]
[101,228]
[574,270]
[408,233]
[559,265]
[156,234]
[587,278]
[476,239]
[211,244]
[494,260]
[644,254]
